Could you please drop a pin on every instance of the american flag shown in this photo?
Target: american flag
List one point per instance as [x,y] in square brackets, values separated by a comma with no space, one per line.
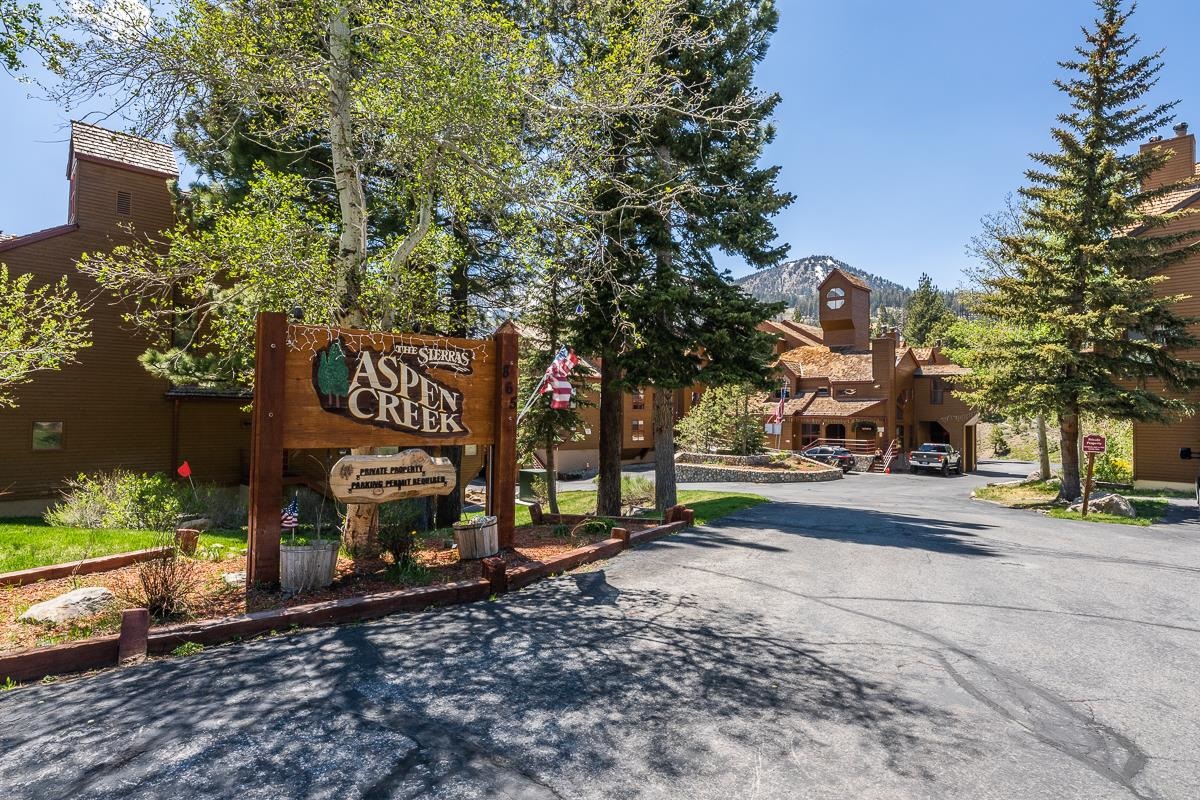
[558,378]
[778,415]
[291,515]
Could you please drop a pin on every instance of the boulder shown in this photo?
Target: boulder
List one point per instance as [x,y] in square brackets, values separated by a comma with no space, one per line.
[198,524]
[73,605]
[234,578]
[1113,504]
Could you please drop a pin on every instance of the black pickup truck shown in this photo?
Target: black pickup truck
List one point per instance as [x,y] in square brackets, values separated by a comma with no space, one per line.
[941,457]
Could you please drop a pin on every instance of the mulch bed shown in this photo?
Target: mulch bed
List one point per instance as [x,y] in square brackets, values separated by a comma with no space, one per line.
[215,599]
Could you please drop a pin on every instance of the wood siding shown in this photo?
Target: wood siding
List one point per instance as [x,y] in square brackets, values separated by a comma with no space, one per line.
[114,413]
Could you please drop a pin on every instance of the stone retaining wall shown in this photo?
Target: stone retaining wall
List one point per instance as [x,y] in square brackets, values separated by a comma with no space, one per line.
[717,458]
[710,473]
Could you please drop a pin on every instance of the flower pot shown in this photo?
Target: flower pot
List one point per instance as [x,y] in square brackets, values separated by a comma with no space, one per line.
[308,566]
[477,538]
[186,540]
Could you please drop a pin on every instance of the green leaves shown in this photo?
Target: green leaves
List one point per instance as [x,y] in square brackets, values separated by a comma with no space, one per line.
[41,328]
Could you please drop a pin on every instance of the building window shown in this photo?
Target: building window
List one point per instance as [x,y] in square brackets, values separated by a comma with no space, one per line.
[638,429]
[47,436]
[783,392]
[823,391]
[835,298]
[124,203]
[639,400]
[695,398]
[937,391]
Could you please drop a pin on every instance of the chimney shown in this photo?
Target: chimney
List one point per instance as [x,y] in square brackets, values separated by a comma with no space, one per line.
[1182,164]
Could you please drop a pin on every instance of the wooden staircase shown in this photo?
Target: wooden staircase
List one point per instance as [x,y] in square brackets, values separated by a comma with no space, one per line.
[884,464]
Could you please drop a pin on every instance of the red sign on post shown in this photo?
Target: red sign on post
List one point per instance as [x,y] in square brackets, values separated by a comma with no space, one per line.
[1094,443]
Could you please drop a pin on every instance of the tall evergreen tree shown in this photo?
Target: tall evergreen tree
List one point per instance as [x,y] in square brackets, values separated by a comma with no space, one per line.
[1084,328]
[926,315]
[684,323]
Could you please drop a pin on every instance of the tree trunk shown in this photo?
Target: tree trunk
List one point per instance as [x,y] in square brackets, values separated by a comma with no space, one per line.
[361,534]
[1068,428]
[1043,448]
[608,489]
[551,476]
[449,506]
[352,204]
[665,494]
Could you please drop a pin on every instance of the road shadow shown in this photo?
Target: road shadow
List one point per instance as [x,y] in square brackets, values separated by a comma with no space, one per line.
[838,523]
[570,684]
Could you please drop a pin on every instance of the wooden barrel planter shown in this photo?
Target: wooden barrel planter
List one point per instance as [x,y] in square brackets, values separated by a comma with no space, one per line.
[477,538]
[308,566]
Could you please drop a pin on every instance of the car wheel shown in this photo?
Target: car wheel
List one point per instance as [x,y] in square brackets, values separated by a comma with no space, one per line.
[912,470]
[945,470]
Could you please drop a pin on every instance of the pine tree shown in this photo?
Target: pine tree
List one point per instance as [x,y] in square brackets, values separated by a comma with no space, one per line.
[926,314]
[686,323]
[1083,328]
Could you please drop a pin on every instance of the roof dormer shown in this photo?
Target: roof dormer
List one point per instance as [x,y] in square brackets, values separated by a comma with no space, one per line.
[845,310]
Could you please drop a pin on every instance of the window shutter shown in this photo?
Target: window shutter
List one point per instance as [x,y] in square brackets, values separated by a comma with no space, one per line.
[124,203]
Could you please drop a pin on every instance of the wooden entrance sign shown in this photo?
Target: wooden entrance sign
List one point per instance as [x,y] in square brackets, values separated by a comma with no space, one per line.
[318,387]
[1092,445]
[383,479]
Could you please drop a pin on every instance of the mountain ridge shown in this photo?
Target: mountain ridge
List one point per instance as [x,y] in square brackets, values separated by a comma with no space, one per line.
[795,283]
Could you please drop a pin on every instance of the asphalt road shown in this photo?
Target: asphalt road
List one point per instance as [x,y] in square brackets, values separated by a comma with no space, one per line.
[875,637]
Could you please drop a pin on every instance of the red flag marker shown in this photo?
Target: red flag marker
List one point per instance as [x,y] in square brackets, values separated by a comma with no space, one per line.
[185,470]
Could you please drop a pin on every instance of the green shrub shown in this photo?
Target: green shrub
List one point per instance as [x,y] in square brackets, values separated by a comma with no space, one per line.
[636,491]
[398,541]
[119,499]
[221,505]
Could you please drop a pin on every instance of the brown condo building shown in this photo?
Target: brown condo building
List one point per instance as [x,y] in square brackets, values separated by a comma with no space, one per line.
[842,387]
[107,411]
[1156,462]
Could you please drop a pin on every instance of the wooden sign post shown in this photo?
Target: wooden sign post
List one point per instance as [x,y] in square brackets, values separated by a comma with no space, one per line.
[1092,444]
[321,387]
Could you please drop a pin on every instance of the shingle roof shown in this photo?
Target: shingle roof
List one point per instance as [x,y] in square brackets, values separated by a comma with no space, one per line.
[818,361]
[90,141]
[853,280]
[812,405]
[923,354]
[829,407]
[927,370]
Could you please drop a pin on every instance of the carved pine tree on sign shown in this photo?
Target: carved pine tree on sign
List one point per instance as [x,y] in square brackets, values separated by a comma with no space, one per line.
[333,375]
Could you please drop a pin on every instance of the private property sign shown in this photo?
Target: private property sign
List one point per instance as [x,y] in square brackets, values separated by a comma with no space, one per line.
[1094,443]
[382,479]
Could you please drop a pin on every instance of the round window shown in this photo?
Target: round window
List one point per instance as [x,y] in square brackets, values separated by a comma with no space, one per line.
[836,298]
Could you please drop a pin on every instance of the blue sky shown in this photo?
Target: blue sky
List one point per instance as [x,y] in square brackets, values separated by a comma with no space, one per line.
[901,123]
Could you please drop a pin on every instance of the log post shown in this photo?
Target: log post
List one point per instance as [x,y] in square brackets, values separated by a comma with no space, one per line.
[502,491]
[135,629]
[495,572]
[266,451]
[623,535]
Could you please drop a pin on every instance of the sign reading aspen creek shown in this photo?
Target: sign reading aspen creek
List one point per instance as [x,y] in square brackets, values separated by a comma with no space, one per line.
[382,479]
[393,388]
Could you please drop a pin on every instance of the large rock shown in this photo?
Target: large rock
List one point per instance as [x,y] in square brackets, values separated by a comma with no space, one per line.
[73,605]
[1113,504]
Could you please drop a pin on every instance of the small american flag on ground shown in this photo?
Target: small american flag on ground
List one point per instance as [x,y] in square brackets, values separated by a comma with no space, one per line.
[558,378]
[291,515]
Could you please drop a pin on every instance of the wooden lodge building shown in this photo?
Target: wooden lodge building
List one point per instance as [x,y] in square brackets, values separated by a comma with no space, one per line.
[1156,462]
[842,387]
[107,411]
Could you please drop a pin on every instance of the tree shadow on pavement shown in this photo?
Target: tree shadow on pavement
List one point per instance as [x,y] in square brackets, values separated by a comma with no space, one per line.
[844,524]
[568,688]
